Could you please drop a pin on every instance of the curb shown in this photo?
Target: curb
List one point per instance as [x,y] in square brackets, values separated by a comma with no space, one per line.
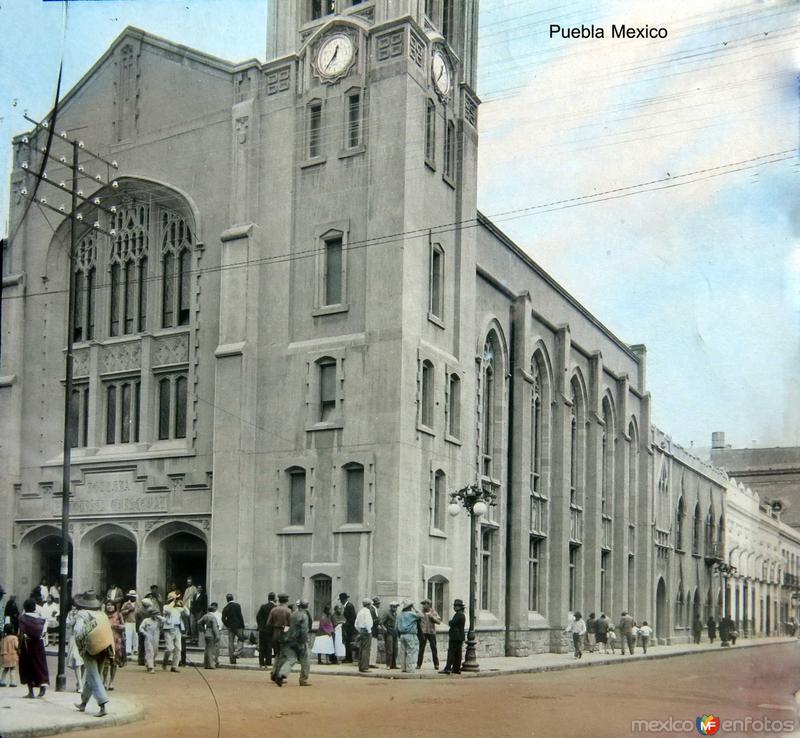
[606,661]
[110,721]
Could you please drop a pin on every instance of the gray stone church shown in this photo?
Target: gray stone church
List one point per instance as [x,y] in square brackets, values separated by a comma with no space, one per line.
[296,335]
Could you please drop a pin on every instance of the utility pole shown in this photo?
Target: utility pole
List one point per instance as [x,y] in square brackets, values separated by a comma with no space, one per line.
[77,171]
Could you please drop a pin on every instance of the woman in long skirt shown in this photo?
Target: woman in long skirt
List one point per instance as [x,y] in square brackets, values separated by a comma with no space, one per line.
[32,659]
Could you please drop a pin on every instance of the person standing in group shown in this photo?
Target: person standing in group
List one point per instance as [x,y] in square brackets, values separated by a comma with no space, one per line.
[278,620]
[577,629]
[188,600]
[349,626]
[32,659]
[74,659]
[612,637]
[697,629]
[11,613]
[155,597]
[455,639]
[389,623]
[645,634]
[233,620]
[128,612]
[149,629]
[296,646]
[377,631]
[429,620]
[208,628]
[407,622]
[198,608]
[711,626]
[172,625]
[51,610]
[364,634]
[265,632]
[95,642]
[324,644]
[117,660]
[591,633]
[626,626]
[9,656]
[601,632]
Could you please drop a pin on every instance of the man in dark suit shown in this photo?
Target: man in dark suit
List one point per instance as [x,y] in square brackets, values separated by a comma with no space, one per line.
[348,627]
[455,640]
[233,620]
[265,632]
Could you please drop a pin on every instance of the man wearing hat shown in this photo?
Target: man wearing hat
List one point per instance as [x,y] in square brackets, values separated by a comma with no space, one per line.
[172,627]
[389,623]
[278,622]
[265,632]
[430,619]
[364,634]
[296,646]
[233,620]
[407,622]
[348,627]
[455,640]
[377,631]
[95,642]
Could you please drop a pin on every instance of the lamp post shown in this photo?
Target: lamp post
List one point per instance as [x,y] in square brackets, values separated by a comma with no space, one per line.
[476,500]
[725,571]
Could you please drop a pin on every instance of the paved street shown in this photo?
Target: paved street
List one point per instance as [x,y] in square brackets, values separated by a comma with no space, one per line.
[597,702]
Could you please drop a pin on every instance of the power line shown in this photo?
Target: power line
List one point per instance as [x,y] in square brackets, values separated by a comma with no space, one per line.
[667,182]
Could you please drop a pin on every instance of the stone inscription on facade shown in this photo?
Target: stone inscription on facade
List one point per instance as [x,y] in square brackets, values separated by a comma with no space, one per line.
[98,505]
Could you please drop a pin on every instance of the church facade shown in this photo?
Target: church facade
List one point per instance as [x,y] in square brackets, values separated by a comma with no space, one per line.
[296,335]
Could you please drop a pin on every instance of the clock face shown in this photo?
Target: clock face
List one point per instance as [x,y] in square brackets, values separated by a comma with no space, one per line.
[335,55]
[440,73]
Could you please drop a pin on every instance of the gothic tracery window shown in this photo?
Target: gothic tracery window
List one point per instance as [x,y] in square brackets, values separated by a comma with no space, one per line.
[176,245]
[128,267]
[85,266]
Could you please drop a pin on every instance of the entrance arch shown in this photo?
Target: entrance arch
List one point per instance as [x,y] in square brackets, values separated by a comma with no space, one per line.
[184,555]
[661,611]
[108,555]
[40,557]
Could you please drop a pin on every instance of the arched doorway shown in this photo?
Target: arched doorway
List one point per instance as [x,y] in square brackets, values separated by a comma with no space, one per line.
[47,559]
[661,611]
[184,555]
[115,563]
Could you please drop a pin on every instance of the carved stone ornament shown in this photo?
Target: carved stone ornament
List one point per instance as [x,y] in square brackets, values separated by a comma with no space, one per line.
[390,45]
[171,350]
[121,357]
[278,80]
[242,124]
[80,363]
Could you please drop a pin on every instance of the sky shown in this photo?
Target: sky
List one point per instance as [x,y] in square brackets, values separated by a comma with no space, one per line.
[702,264]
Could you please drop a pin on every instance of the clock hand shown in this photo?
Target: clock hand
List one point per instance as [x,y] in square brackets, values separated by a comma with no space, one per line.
[327,66]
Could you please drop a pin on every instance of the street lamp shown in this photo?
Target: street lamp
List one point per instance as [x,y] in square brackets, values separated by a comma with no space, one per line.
[476,500]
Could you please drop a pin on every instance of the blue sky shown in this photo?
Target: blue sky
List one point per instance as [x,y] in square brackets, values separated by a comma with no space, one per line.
[706,274]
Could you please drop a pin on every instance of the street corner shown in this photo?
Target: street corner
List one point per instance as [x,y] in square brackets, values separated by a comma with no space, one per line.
[55,713]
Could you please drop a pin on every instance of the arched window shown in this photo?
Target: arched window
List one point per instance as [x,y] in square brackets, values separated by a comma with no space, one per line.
[436,282]
[679,514]
[710,532]
[439,500]
[633,473]
[176,245]
[488,399]
[326,367]
[453,405]
[437,593]
[354,490]
[426,394]
[697,521]
[128,268]
[84,305]
[323,593]
[538,493]
[607,473]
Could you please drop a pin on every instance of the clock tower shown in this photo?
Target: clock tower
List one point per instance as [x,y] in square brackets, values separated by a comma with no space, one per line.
[358,149]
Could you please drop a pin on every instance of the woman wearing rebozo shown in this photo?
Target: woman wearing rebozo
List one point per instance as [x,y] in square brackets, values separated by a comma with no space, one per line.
[95,641]
[32,659]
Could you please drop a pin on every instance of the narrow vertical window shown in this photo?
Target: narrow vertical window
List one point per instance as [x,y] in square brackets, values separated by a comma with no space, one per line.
[327,390]
[168,291]
[439,502]
[111,414]
[114,324]
[426,395]
[77,313]
[142,293]
[90,304]
[354,119]
[436,282]
[163,408]
[137,404]
[74,418]
[181,384]
[486,569]
[125,427]
[573,458]
[454,406]
[449,149]
[184,271]
[333,272]
[315,130]
[355,494]
[573,576]
[447,19]
[487,409]
[128,297]
[430,133]
[297,497]
[429,4]
[534,555]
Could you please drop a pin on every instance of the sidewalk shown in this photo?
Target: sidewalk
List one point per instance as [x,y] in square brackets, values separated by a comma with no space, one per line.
[502,665]
[56,713]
